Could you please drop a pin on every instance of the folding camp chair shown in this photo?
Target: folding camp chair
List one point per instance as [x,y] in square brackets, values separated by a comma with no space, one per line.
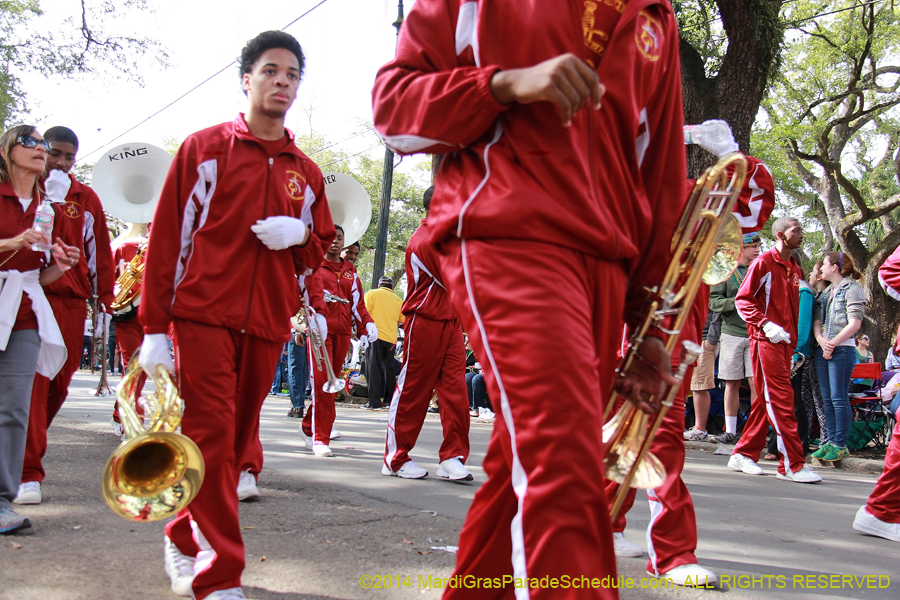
[870,419]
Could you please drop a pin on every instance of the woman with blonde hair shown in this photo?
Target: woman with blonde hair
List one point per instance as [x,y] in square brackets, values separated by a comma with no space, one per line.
[838,316]
[30,340]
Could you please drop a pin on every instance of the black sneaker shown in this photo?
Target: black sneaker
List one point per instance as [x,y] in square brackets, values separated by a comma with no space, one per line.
[370,406]
[724,438]
[296,413]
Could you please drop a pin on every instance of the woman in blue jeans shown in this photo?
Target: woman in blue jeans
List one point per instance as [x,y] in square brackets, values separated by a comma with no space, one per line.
[838,316]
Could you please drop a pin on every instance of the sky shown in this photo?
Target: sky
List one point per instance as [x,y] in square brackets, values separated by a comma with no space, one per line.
[345,42]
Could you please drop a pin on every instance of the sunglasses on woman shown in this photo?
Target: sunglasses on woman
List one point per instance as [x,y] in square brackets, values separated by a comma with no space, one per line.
[27,141]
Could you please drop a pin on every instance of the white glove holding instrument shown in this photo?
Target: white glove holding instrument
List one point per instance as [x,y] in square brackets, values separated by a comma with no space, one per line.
[155,352]
[372,330]
[57,186]
[715,136]
[776,333]
[363,342]
[322,324]
[278,233]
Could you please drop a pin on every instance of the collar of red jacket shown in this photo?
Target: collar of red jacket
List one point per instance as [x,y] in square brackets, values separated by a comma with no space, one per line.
[243,132]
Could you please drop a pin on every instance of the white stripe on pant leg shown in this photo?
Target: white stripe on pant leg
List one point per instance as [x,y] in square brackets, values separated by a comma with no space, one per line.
[313,393]
[519,478]
[779,442]
[395,401]
[656,509]
[206,556]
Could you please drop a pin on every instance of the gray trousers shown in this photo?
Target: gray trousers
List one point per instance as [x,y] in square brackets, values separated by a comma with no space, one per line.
[18,364]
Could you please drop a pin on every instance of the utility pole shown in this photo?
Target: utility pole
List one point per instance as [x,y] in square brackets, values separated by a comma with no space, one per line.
[384,207]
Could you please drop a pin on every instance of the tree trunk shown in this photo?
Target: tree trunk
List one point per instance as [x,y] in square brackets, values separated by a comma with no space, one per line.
[882,316]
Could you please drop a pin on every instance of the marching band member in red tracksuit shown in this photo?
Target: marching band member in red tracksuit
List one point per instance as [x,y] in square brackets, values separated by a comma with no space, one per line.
[881,514]
[768,300]
[544,192]
[81,224]
[336,277]
[434,358]
[242,213]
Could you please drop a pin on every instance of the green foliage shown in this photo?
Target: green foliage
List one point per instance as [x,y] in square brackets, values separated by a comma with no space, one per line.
[406,200]
[75,44]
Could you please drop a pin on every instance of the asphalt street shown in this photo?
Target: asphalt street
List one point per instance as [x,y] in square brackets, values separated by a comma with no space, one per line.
[325,523]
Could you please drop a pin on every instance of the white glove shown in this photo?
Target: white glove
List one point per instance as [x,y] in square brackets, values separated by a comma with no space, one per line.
[57,186]
[372,330]
[155,352]
[363,343]
[278,233]
[776,333]
[715,136]
[322,324]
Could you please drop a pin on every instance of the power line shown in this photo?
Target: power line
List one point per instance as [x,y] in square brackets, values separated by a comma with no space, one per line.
[340,160]
[184,95]
[323,148]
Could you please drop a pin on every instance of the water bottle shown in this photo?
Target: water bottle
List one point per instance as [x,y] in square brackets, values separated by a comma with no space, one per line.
[714,132]
[43,222]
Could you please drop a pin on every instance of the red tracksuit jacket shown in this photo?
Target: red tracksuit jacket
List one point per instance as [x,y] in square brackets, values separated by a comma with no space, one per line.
[86,229]
[217,271]
[889,275]
[341,280]
[426,294]
[610,185]
[770,292]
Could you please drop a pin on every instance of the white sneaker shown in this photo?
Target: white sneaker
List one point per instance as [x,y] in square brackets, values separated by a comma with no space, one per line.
[485,413]
[307,441]
[179,568]
[690,575]
[320,449]
[804,475]
[409,470]
[695,435]
[625,548]
[359,380]
[739,462]
[872,525]
[118,429]
[229,594]
[29,493]
[335,434]
[246,487]
[454,470]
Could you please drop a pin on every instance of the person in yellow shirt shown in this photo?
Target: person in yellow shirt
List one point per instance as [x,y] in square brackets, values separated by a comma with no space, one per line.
[384,306]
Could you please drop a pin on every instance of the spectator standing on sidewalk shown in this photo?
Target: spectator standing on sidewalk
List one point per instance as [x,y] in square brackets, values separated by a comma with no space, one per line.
[384,306]
[704,378]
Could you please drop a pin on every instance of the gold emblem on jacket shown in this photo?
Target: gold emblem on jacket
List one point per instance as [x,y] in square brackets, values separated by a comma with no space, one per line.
[72,210]
[648,36]
[295,186]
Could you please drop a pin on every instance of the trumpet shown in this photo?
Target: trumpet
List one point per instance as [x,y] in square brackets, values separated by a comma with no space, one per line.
[706,246]
[329,297]
[155,472]
[320,352]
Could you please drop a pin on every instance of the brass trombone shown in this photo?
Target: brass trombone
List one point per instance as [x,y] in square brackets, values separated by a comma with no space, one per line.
[706,246]
[155,472]
[320,352]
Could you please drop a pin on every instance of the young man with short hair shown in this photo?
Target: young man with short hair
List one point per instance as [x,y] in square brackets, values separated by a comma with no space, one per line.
[241,216]
[768,300]
[85,228]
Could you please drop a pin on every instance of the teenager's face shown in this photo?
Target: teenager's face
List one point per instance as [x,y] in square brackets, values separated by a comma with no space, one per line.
[829,270]
[337,244]
[749,253]
[61,157]
[351,253]
[793,237]
[271,84]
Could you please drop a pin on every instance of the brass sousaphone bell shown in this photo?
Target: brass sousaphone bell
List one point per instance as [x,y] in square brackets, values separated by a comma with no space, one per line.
[155,472]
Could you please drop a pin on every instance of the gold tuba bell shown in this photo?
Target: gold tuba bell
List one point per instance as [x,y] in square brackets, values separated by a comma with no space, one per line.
[706,246]
[155,472]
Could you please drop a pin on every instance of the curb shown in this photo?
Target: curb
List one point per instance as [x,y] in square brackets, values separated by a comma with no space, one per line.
[853,465]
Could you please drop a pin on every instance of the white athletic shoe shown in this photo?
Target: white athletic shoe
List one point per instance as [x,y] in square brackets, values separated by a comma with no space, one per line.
[335,434]
[695,435]
[409,470]
[485,413]
[739,462]
[229,594]
[804,475]
[692,575]
[246,487]
[118,429]
[29,493]
[872,525]
[179,568]
[320,449]
[307,441]
[625,548]
[454,470]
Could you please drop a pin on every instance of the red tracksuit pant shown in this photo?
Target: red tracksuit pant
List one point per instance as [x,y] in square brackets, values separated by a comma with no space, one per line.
[47,396]
[434,359]
[224,377]
[129,337]
[545,322]
[672,532]
[884,502]
[774,405]
[319,419]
